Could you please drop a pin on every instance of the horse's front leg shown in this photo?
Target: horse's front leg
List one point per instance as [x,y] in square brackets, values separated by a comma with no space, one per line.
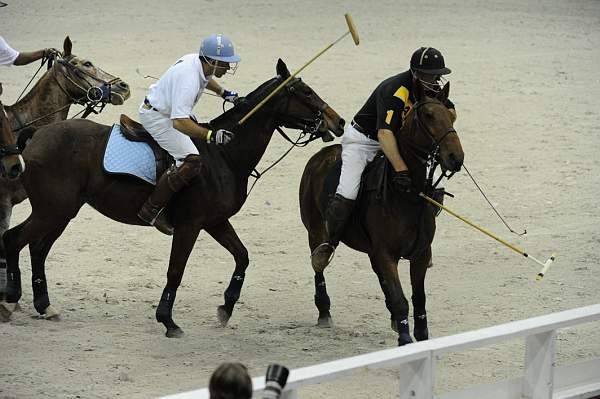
[386,268]
[225,235]
[181,247]
[418,269]
[5,213]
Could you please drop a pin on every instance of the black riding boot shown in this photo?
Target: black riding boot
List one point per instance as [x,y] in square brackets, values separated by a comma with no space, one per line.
[336,217]
[169,183]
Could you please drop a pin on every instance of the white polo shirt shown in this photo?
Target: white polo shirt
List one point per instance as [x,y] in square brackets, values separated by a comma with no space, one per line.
[179,89]
[8,55]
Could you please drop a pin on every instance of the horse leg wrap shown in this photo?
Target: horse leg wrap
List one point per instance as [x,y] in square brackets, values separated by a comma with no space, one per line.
[232,293]
[13,286]
[165,306]
[322,300]
[403,331]
[2,278]
[40,294]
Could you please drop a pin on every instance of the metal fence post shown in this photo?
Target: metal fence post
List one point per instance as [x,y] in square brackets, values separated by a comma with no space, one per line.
[538,381]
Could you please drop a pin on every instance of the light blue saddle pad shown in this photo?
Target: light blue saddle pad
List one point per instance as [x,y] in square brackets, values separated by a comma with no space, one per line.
[129,157]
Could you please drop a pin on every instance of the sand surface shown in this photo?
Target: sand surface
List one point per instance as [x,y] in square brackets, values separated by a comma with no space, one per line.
[526,89]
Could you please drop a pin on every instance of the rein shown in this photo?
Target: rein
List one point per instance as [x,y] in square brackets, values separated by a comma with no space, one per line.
[312,127]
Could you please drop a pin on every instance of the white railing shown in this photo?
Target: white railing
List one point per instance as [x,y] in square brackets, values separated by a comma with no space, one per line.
[541,379]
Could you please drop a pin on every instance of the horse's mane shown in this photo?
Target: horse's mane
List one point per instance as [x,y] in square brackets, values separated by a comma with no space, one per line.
[245,104]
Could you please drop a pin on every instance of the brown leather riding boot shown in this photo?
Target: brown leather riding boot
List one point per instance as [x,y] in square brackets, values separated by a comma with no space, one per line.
[337,215]
[171,182]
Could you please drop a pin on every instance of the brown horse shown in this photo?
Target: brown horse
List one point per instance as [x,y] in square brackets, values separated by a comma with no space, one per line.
[11,161]
[65,171]
[70,80]
[395,225]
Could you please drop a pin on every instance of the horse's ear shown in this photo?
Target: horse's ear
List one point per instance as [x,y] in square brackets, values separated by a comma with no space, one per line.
[419,90]
[67,47]
[282,69]
[443,94]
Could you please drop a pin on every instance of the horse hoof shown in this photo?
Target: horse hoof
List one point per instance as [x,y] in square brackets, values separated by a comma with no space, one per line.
[174,333]
[51,313]
[421,335]
[223,316]
[404,339]
[325,322]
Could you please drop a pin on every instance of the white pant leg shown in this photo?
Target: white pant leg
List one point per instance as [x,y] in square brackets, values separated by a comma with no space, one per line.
[172,140]
[357,151]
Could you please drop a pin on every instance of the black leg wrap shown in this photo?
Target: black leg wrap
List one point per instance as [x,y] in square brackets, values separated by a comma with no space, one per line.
[421,332]
[322,300]
[403,331]
[232,293]
[40,294]
[13,286]
[165,308]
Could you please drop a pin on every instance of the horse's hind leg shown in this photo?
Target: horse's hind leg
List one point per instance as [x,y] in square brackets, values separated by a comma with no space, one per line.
[5,212]
[418,269]
[39,251]
[228,238]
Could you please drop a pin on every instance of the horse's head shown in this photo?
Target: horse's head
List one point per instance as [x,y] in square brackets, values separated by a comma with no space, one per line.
[429,128]
[11,161]
[304,109]
[83,81]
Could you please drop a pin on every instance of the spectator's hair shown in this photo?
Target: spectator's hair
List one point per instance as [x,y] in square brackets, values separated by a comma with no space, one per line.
[230,381]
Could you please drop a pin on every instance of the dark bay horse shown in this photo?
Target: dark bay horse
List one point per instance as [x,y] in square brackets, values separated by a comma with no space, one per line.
[70,80]
[65,171]
[399,226]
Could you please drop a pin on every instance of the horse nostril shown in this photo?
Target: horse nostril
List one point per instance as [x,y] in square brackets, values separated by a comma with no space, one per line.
[342,123]
[123,85]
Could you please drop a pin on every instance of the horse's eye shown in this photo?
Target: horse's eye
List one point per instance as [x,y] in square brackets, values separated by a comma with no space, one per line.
[88,64]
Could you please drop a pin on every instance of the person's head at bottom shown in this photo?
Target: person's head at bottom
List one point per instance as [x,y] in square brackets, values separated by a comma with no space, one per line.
[230,381]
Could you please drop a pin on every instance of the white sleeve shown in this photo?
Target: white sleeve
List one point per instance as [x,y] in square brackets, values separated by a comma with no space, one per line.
[8,55]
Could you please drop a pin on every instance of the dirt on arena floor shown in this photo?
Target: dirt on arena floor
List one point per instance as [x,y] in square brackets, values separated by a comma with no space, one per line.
[526,90]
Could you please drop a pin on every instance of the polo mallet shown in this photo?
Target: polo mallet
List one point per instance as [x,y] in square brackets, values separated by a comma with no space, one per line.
[351,31]
[545,265]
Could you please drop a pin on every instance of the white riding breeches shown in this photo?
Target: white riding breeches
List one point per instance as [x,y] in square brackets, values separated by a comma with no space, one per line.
[170,139]
[357,151]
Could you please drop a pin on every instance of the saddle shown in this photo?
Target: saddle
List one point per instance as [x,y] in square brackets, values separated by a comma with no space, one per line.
[375,178]
[134,131]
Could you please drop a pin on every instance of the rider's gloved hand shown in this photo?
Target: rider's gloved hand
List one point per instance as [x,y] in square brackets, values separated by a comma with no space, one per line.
[220,136]
[230,96]
[402,181]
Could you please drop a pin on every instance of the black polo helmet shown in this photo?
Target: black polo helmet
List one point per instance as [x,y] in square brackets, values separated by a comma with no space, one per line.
[429,60]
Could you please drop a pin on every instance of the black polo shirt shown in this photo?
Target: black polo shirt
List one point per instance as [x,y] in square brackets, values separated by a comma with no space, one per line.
[388,105]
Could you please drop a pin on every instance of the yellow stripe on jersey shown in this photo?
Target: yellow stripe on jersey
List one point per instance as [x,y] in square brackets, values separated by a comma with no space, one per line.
[402,93]
[388,118]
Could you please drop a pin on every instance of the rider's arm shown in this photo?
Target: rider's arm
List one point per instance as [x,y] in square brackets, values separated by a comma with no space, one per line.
[28,58]
[190,128]
[389,145]
[213,86]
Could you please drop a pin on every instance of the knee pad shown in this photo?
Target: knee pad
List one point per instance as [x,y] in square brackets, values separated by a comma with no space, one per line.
[183,175]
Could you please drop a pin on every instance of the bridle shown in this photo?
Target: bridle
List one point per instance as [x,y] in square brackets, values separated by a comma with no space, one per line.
[427,156]
[94,98]
[91,95]
[313,127]
[6,149]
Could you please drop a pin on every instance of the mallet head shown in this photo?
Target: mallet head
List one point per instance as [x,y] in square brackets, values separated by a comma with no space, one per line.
[352,28]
